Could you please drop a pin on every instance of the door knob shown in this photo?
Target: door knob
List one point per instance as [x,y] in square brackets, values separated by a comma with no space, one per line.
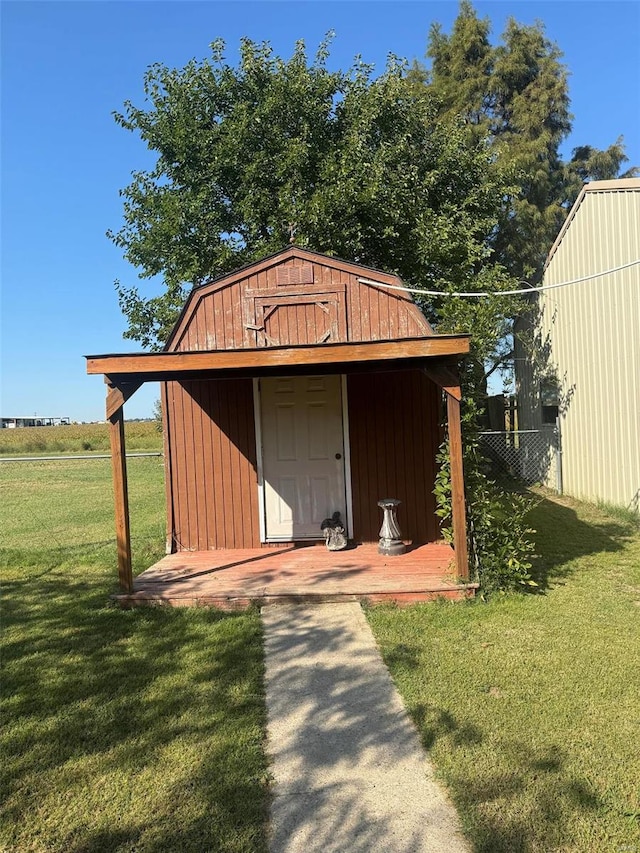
[338,455]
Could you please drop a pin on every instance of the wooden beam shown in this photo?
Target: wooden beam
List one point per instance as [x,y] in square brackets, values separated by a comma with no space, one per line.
[281,357]
[121,498]
[117,395]
[266,294]
[458,509]
[446,376]
[392,366]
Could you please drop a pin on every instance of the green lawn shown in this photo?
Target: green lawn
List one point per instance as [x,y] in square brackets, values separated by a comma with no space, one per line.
[143,730]
[530,705]
[139,730]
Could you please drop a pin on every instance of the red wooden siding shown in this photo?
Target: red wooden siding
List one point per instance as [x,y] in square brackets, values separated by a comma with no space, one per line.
[296,298]
[212,485]
[293,302]
[211,465]
[394,435]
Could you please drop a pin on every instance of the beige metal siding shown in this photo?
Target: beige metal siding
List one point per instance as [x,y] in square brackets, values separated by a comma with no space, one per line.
[594,332]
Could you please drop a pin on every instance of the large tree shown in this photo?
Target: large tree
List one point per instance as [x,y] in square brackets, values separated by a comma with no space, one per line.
[515,94]
[252,156]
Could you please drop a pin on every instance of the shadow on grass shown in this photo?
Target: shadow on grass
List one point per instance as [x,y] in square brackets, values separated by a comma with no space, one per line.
[546,793]
[517,803]
[150,722]
[521,733]
[562,537]
[434,722]
[492,822]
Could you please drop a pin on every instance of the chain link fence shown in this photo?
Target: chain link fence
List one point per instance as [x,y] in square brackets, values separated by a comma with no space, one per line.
[533,456]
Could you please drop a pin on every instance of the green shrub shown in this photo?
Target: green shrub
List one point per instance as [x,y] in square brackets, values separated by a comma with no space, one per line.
[499,537]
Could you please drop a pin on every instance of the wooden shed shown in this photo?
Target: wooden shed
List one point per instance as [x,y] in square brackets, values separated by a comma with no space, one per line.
[296,387]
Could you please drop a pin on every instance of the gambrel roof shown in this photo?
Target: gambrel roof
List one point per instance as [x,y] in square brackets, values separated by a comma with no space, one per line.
[293,298]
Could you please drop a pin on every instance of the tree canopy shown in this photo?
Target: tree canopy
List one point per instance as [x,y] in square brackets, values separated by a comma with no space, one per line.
[450,177]
[253,156]
[515,94]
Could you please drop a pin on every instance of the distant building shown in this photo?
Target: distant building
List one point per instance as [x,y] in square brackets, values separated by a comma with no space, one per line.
[34,421]
[579,361]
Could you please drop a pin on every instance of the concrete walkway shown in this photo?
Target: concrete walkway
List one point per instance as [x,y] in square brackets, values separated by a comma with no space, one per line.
[349,772]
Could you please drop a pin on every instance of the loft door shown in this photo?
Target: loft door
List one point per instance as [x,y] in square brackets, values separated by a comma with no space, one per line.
[302,454]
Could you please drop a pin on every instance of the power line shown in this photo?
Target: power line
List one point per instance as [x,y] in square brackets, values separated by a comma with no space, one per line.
[528,289]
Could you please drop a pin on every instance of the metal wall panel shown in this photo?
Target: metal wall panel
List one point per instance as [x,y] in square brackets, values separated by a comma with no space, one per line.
[594,332]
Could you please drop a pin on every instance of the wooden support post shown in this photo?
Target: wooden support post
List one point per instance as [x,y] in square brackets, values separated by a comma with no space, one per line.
[458,510]
[121,498]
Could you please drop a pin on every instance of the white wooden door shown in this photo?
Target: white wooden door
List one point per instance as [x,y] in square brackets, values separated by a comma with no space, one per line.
[302,454]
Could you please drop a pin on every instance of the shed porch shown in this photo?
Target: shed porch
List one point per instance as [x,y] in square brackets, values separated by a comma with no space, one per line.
[234,579]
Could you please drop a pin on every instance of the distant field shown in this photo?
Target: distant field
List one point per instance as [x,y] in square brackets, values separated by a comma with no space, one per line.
[76,438]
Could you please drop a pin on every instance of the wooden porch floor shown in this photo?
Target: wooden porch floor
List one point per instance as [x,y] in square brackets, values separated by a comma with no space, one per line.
[232,580]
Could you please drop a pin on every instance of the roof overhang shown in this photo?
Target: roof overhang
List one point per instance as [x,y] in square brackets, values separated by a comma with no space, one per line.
[328,358]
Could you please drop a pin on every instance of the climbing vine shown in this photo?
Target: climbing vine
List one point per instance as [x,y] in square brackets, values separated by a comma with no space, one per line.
[499,536]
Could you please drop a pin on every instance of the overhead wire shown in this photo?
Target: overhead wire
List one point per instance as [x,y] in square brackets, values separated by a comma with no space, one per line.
[529,289]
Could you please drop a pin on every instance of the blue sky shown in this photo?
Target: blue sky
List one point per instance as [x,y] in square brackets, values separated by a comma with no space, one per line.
[67,66]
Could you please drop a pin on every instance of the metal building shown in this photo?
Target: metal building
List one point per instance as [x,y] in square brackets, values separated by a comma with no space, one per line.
[581,361]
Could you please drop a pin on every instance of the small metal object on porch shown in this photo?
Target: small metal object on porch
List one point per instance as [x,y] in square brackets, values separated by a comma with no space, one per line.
[391,542]
[333,530]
